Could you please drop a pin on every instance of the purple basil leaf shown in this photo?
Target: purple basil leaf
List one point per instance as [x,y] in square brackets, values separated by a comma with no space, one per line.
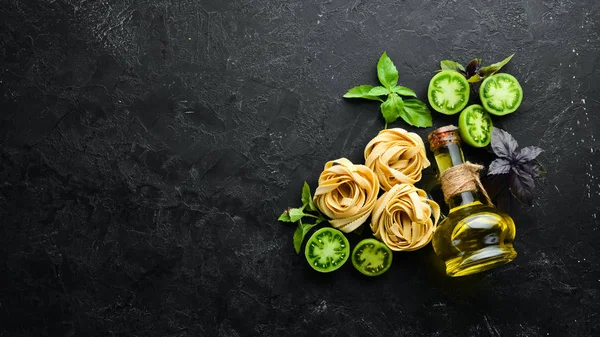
[499,166]
[472,67]
[533,168]
[497,188]
[495,184]
[521,185]
[527,154]
[503,144]
[504,200]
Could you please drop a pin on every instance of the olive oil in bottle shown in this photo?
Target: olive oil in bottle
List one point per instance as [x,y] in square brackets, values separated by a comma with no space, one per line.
[474,236]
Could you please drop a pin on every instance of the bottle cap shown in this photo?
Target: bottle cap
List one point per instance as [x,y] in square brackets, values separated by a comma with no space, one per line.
[442,136]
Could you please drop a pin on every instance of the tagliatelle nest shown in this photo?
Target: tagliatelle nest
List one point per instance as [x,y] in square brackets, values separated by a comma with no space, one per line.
[346,193]
[402,218]
[396,156]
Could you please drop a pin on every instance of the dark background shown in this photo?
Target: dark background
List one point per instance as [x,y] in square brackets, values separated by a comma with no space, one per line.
[148,147]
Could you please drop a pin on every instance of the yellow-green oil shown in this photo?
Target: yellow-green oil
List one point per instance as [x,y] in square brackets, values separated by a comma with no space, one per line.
[473,237]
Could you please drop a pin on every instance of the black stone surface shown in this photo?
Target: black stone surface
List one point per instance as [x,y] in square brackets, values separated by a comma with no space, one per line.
[148,147]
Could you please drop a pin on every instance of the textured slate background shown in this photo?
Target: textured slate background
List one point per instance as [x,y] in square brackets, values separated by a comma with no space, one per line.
[149,145]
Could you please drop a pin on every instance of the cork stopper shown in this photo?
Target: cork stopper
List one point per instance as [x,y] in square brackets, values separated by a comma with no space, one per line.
[442,136]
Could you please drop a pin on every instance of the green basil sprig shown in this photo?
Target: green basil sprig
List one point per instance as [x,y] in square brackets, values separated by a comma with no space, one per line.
[412,110]
[297,214]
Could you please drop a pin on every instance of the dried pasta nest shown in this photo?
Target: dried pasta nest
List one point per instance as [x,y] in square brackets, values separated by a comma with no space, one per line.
[402,218]
[346,193]
[396,156]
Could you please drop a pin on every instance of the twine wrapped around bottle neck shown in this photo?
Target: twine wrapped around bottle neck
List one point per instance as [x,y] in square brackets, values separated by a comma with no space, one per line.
[462,178]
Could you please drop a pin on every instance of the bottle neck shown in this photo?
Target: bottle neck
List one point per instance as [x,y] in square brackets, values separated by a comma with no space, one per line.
[447,156]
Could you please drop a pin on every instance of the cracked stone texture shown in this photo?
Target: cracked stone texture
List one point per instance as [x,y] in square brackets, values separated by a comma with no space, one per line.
[148,147]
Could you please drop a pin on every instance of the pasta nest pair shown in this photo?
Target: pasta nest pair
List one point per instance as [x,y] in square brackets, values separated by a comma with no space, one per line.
[403,217]
[397,157]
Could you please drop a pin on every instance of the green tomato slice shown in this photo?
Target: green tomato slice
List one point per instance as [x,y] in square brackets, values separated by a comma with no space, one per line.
[327,250]
[501,94]
[371,257]
[448,92]
[475,126]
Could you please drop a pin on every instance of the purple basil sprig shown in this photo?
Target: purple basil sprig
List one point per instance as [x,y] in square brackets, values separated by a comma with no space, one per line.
[519,165]
[474,72]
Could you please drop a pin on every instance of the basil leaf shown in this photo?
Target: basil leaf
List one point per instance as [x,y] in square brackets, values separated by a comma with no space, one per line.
[404,91]
[527,154]
[534,168]
[387,72]
[475,78]
[392,108]
[499,166]
[472,67]
[503,143]
[494,68]
[451,65]
[307,199]
[378,91]
[361,91]
[299,235]
[495,185]
[285,216]
[296,214]
[521,185]
[416,113]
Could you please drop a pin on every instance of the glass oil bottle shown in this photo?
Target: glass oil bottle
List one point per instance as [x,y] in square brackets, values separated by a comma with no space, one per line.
[474,236]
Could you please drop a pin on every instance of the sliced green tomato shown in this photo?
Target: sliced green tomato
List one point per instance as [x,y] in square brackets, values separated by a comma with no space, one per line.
[371,257]
[327,250]
[501,94]
[448,92]
[475,126]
